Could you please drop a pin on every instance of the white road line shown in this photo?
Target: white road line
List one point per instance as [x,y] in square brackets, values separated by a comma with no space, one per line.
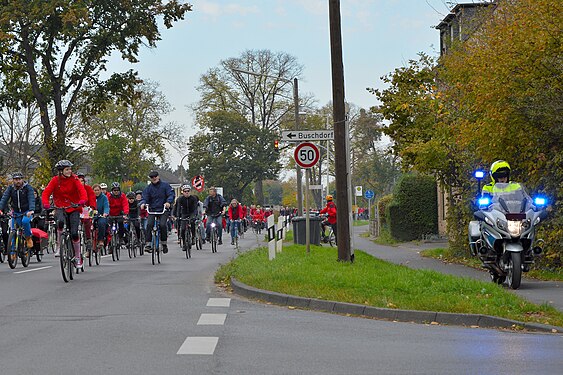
[212,319]
[106,256]
[199,345]
[219,302]
[34,269]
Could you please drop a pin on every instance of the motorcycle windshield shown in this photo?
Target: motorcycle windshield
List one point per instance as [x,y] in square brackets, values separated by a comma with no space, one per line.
[510,198]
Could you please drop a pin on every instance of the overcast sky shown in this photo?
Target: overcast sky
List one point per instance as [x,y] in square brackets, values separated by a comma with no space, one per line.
[378,36]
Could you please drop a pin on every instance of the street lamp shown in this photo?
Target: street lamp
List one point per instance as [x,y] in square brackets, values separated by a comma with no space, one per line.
[295,85]
[182,168]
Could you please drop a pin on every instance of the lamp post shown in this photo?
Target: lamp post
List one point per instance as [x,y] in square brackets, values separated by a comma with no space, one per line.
[295,85]
[182,168]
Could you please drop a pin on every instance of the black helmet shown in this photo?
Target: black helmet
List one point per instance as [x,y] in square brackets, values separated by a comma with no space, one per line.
[130,195]
[81,174]
[139,192]
[62,164]
[115,185]
[17,175]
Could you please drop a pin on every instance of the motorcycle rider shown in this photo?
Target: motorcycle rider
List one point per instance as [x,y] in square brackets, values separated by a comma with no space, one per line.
[500,173]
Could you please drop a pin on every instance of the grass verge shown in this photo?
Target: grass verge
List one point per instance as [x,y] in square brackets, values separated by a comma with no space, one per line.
[359,223]
[446,255]
[371,281]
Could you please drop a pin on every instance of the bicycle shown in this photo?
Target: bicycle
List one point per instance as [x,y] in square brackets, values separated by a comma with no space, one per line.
[155,255]
[96,252]
[134,242]
[17,247]
[114,245]
[185,236]
[214,237]
[51,233]
[67,259]
[235,232]
[3,254]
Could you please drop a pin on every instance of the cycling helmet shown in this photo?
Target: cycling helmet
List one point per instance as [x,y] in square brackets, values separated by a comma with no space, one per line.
[81,175]
[17,175]
[115,185]
[499,169]
[139,192]
[186,187]
[329,197]
[62,164]
[130,195]
[103,185]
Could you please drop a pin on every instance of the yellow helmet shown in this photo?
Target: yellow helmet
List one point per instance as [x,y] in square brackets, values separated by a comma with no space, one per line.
[329,197]
[499,169]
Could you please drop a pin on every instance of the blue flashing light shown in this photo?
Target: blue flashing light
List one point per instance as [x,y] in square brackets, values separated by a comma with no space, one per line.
[540,201]
[484,201]
[479,174]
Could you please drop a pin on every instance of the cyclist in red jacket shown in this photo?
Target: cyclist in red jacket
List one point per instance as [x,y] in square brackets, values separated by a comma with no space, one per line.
[118,206]
[330,211]
[67,190]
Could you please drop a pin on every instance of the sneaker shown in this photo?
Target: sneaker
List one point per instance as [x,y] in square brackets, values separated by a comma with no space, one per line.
[164,248]
[79,263]
[232,242]
[29,242]
[148,248]
[220,242]
[57,253]
[87,254]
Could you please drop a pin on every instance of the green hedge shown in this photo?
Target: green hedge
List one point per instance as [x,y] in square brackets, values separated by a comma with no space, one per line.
[382,207]
[413,212]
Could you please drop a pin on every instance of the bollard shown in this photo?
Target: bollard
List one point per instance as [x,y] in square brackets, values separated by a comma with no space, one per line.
[280,235]
[271,238]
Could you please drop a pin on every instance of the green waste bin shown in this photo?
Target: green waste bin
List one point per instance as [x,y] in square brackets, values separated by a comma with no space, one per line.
[299,230]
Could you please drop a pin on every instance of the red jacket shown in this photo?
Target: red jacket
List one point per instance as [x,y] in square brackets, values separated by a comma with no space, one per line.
[330,210]
[92,203]
[258,215]
[65,191]
[239,209]
[118,205]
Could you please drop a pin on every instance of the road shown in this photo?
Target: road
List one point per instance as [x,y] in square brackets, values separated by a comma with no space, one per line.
[130,317]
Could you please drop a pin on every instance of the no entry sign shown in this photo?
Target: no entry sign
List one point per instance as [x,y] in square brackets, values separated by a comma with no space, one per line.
[306,154]
[198,183]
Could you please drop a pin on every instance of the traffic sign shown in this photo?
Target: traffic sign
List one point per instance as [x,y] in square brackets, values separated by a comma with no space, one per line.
[198,183]
[306,154]
[369,194]
[358,191]
[307,135]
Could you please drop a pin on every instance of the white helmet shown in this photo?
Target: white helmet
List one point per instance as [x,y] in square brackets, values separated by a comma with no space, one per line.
[103,185]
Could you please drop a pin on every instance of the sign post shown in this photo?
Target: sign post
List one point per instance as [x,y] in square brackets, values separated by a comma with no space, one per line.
[369,194]
[306,156]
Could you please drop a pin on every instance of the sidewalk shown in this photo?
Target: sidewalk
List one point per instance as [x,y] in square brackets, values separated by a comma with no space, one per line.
[407,254]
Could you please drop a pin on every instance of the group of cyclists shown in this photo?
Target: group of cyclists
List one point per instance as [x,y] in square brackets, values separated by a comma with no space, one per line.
[70,202]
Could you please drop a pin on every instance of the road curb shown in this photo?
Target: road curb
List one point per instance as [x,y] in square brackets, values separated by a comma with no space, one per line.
[427,317]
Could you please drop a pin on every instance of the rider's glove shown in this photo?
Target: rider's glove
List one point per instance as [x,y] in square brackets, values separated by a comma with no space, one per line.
[82,202]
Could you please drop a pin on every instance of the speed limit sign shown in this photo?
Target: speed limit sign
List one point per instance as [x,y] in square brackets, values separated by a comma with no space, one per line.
[306,154]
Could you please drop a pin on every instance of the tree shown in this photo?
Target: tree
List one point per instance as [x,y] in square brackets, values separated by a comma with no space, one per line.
[232,153]
[128,139]
[263,98]
[52,50]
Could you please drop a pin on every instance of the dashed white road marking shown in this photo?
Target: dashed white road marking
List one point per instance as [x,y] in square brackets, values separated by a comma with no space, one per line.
[199,345]
[219,302]
[212,319]
[34,269]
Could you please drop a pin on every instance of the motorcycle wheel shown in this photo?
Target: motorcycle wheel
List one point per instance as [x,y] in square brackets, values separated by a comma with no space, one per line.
[514,268]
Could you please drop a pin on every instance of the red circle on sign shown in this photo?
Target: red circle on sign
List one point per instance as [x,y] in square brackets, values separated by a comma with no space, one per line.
[306,154]
[198,183]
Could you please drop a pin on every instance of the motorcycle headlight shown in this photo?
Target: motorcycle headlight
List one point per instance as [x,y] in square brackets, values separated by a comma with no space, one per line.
[488,221]
[526,224]
[514,228]
[501,225]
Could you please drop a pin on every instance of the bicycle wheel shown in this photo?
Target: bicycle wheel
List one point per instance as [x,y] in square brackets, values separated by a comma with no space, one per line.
[25,252]
[142,243]
[131,244]
[187,242]
[91,252]
[70,257]
[331,239]
[214,241]
[65,261]
[117,246]
[158,250]
[154,243]
[12,251]
[112,247]
[2,250]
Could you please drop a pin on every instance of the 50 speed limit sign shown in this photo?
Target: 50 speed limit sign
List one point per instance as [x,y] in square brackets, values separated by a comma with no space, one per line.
[306,154]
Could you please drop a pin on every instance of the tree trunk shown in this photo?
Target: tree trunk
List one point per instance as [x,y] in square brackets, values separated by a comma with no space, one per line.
[259,192]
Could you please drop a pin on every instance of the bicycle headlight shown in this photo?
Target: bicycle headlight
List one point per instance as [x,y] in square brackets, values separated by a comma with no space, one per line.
[514,228]
[213,225]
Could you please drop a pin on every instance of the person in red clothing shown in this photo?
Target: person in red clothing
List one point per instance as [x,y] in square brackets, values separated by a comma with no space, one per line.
[330,211]
[235,216]
[258,217]
[118,206]
[67,191]
[85,214]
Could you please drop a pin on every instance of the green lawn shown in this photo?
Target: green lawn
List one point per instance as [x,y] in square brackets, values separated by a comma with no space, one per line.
[374,282]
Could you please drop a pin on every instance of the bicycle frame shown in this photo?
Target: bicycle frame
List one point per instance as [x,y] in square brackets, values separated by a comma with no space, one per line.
[156,236]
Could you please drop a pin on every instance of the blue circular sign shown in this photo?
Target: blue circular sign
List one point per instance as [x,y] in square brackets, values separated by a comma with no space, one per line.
[369,194]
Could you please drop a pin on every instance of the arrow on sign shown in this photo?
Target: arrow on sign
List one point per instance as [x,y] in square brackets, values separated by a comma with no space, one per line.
[291,135]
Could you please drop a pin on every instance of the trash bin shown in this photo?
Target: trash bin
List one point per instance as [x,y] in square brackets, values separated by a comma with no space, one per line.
[299,230]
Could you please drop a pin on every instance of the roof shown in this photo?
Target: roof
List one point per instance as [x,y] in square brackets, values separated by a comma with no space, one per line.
[456,9]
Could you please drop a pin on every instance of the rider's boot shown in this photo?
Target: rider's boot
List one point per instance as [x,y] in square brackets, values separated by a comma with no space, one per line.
[76,247]
[58,242]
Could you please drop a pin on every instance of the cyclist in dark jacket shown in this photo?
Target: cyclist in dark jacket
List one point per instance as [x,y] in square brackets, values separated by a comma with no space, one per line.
[22,201]
[214,206]
[158,196]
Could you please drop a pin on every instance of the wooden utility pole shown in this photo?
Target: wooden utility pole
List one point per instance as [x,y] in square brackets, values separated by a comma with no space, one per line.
[340,134]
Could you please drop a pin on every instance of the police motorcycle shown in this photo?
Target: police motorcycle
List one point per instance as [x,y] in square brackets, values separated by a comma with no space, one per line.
[504,234]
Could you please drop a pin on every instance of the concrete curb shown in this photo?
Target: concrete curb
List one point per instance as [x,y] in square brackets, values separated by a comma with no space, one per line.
[469,320]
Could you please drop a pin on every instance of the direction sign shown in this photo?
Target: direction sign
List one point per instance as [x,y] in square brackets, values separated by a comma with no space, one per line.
[369,194]
[307,135]
[306,154]
[198,183]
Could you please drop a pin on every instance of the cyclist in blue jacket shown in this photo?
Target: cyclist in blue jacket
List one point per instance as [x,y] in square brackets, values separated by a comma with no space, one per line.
[158,196]
[22,201]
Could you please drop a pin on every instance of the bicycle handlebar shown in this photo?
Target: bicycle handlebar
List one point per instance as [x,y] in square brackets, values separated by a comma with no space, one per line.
[157,213]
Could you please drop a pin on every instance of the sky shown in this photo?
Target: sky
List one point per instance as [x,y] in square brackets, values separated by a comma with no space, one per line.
[377,35]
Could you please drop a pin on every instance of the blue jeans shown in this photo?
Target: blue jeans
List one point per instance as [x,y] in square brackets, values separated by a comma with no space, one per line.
[235,228]
[23,221]
[102,227]
[218,222]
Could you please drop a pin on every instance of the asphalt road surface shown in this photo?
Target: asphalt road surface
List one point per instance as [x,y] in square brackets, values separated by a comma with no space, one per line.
[130,317]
